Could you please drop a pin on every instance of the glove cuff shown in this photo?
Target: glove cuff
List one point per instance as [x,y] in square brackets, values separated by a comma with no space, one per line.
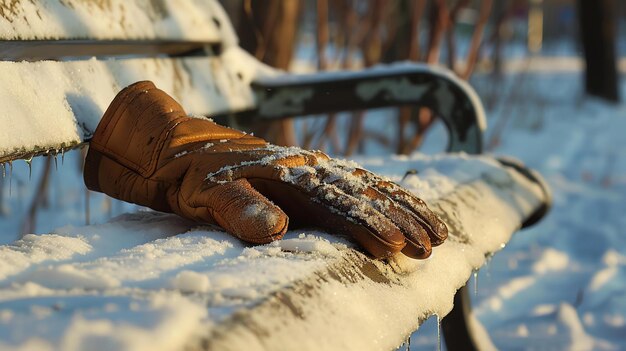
[132,131]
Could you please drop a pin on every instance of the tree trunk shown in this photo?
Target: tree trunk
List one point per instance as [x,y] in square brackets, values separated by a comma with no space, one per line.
[598,33]
[267,29]
[439,18]
[477,37]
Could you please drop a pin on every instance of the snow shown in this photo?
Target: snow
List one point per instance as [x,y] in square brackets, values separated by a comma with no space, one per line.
[568,316]
[159,323]
[190,281]
[310,244]
[69,105]
[142,276]
[32,249]
[117,19]
[80,285]
[551,260]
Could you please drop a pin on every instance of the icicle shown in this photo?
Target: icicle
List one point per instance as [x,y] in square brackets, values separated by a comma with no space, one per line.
[62,156]
[488,264]
[475,282]
[10,176]
[56,164]
[4,170]
[29,162]
[438,333]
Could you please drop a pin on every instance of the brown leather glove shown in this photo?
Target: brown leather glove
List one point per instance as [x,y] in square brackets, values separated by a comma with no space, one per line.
[147,150]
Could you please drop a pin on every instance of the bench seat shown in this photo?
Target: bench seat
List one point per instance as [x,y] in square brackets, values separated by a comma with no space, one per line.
[157,281]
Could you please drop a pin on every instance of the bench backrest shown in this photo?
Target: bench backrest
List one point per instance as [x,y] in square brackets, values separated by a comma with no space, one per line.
[63,61]
[54,99]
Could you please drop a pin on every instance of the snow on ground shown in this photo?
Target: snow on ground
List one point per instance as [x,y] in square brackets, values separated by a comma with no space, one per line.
[580,147]
[560,285]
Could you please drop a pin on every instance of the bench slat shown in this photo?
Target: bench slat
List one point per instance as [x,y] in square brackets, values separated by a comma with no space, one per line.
[270,297]
[115,20]
[37,50]
[49,106]
[354,294]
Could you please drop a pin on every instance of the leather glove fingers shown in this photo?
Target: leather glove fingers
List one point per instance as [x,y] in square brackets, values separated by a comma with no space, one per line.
[311,188]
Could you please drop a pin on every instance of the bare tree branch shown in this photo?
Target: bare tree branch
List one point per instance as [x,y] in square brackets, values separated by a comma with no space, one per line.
[477,37]
[439,18]
[460,4]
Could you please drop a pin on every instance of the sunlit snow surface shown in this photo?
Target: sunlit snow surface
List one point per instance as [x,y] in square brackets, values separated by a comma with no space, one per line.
[144,272]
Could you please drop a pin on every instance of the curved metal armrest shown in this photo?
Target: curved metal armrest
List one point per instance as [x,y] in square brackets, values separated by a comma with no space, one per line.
[451,98]
[536,178]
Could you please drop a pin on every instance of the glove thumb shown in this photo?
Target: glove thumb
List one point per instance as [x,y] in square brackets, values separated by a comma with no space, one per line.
[237,207]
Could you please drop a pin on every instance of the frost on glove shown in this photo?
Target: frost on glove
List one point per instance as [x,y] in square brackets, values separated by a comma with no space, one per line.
[146,150]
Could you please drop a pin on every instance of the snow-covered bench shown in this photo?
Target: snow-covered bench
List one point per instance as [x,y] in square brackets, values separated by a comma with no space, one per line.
[155,281]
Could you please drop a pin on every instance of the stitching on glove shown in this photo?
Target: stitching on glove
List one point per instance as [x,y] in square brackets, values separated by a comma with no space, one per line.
[145,172]
[110,124]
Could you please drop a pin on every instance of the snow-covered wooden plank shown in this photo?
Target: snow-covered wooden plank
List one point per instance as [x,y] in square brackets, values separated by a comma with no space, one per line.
[197,20]
[54,105]
[382,302]
[155,281]
[50,105]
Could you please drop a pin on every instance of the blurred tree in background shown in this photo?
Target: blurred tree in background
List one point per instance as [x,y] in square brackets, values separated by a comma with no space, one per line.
[352,34]
[598,32]
[267,29]
[464,35]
